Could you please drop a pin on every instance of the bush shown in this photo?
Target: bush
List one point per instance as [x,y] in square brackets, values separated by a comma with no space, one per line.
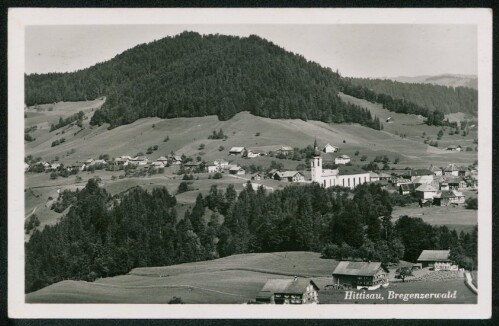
[357,153]
[201,147]
[218,175]
[363,158]
[167,138]
[176,300]
[53,175]
[221,148]
[471,203]
[183,187]
[257,134]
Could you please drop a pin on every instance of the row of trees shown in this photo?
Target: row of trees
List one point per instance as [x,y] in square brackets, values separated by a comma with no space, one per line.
[64,122]
[104,236]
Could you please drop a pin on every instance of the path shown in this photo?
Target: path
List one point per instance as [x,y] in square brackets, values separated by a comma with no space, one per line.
[469,283]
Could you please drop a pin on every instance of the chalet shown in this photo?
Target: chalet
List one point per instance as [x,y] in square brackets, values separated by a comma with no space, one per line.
[289,291]
[443,185]
[400,181]
[448,197]
[343,159]
[237,170]
[175,159]
[222,164]
[438,259]
[258,176]
[451,170]
[212,168]
[271,173]
[236,151]
[162,159]
[463,171]
[454,148]
[374,176]
[126,158]
[157,164]
[286,150]
[370,275]
[55,166]
[436,170]
[425,192]
[456,183]
[407,188]
[330,149]
[289,176]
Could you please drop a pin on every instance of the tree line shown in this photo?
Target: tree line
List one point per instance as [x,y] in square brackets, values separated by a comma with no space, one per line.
[433,97]
[102,236]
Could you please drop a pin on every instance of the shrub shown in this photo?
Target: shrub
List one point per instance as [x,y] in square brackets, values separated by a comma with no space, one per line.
[471,203]
[257,134]
[218,175]
[221,148]
[167,138]
[183,187]
[357,153]
[201,147]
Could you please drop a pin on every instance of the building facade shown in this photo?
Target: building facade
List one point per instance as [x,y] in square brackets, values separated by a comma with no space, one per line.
[331,178]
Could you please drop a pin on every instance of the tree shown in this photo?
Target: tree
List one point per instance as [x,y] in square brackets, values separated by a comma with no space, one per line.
[183,187]
[404,272]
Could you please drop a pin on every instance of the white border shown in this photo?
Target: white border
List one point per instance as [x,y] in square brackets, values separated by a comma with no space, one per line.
[19,18]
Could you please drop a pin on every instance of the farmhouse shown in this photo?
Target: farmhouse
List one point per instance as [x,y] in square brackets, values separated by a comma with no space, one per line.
[175,159]
[454,148]
[444,185]
[384,177]
[258,176]
[236,151]
[222,164]
[400,181]
[448,197]
[289,291]
[286,150]
[289,176]
[254,153]
[425,191]
[330,149]
[211,168]
[374,176]
[237,170]
[436,170]
[343,159]
[345,177]
[438,259]
[456,183]
[370,275]
[423,180]
[451,170]
[162,159]
[407,188]
[420,173]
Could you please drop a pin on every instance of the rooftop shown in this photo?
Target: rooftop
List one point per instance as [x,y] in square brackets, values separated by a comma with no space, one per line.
[291,286]
[434,255]
[358,268]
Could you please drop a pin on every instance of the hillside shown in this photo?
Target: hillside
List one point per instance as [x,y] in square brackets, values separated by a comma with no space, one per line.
[451,80]
[448,99]
[192,75]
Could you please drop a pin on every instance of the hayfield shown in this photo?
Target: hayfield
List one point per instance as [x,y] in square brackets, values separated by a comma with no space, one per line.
[439,215]
[234,279]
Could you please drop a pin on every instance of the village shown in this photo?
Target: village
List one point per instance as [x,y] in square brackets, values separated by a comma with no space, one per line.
[435,185]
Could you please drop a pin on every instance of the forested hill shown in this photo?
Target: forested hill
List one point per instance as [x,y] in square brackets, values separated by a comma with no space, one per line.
[434,97]
[198,75]
[194,75]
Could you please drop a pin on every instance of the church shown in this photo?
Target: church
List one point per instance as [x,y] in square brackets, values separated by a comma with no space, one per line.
[344,176]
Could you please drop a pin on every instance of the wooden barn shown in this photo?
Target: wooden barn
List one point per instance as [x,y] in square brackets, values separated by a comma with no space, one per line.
[289,291]
[438,259]
[359,275]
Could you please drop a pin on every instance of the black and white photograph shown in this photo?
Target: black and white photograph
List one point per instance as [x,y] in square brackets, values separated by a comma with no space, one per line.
[302,163]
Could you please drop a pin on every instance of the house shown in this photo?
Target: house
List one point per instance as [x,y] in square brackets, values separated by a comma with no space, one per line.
[444,185]
[436,170]
[400,181]
[438,259]
[237,170]
[407,188]
[420,173]
[222,164]
[456,183]
[448,197]
[254,153]
[343,159]
[454,148]
[289,291]
[359,275]
[289,176]
[162,159]
[175,159]
[330,149]
[374,176]
[192,164]
[236,151]
[463,171]
[285,150]
[258,176]
[425,192]
[212,168]
[384,177]
[451,170]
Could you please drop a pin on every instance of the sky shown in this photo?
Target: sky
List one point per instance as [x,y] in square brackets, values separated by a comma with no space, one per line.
[354,50]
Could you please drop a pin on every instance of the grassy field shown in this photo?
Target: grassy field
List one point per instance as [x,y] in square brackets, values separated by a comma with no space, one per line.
[234,279]
[436,215]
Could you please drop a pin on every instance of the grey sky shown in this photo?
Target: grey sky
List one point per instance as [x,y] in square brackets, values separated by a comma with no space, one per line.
[355,50]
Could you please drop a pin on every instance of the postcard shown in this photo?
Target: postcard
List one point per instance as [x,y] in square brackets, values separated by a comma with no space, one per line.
[250,163]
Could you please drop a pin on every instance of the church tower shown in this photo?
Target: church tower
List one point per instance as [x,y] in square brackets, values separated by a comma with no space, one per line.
[316,168]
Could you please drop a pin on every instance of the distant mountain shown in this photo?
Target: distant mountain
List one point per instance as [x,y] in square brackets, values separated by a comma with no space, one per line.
[450,80]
